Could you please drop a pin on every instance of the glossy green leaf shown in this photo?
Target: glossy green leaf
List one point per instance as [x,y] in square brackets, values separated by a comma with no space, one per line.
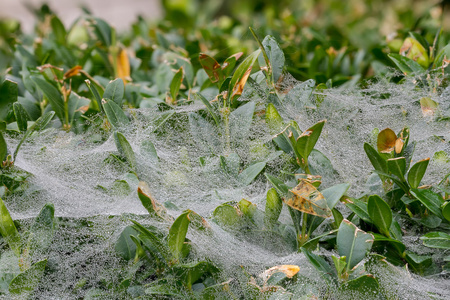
[125,149]
[52,94]
[177,235]
[249,174]
[8,229]
[379,238]
[416,172]
[353,243]
[431,200]
[24,284]
[360,209]
[21,116]
[419,263]
[175,84]
[8,95]
[116,116]
[380,213]
[436,239]
[274,204]
[406,65]
[446,210]
[114,91]
[334,193]
[308,139]
[95,93]
[397,166]
[375,158]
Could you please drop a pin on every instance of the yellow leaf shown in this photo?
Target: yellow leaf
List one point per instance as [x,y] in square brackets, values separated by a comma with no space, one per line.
[239,86]
[386,140]
[72,72]
[288,270]
[123,66]
[306,198]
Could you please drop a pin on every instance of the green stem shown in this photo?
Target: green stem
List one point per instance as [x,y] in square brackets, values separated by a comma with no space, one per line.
[303,237]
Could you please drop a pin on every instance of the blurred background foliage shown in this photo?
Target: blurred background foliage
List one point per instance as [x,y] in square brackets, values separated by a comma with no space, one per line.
[346,41]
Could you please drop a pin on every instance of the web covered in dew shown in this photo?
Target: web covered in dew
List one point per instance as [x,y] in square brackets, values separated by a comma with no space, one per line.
[81,179]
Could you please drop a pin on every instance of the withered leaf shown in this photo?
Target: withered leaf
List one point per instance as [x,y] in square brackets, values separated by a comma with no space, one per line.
[306,198]
[211,67]
[386,140]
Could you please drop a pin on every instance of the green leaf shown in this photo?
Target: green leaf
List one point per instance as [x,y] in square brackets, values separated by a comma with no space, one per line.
[177,235]
[209,108]
[312,243]
[308,139]
[446,210]
[125,246]
[176,83]
[366,285]
[41,232]
[8,95]
[406,65]
[274,204]
[114,91]
[40,124]
[21,116]
[191,272]
[436,239]
[115,114]
[95,93]
[334,193]
[273,119]
[443,53]
[52,94]
[416,172]
[58,30]
[375,158]
[360,209]
[241,121]
[279,185]
[228,216]
[379,238]
[241,74]
[397,166]
[229,64]
[250,173]
[3,148]
[432,201]
[353,243]
[321,265]
[102,30]
[380,213]
[26,282]
[419,263]
[153,243]
[125,149]
[275,56]
[8,229]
